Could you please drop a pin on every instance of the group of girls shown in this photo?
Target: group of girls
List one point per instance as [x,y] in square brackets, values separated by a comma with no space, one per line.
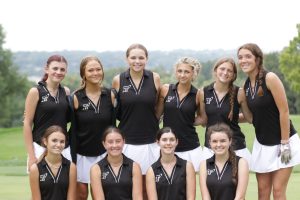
[155,163]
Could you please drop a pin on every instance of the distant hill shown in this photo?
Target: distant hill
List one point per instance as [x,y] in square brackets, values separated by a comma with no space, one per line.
[32,62]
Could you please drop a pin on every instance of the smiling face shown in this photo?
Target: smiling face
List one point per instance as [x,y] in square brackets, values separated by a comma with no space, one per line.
[225,73]
[113,143]
[219,143]
[137,59]
[55,142]
[247,61]
[184,73]
[93,72]
[56,71]
[167,143]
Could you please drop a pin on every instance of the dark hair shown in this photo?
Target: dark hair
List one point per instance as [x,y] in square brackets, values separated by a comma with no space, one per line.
[57,58]
[232,88]
[163,130]
[136,46]
[224,128]
[257,52]
[109,130]
[83,64]
[52,129]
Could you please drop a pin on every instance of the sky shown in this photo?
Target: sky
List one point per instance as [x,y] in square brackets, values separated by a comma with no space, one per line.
[110,25]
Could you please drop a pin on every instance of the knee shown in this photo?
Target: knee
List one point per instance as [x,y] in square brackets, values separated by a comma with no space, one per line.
[278,192]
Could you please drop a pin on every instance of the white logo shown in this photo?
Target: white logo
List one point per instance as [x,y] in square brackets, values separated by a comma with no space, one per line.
[247,91]
[157,177]
[126,88]
[45,98]
[86,106]
[208,100]
[104,175]
[170,98]
[43,177]
[210,171]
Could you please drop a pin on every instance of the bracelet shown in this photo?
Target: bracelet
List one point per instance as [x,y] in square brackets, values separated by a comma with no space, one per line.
[284,141]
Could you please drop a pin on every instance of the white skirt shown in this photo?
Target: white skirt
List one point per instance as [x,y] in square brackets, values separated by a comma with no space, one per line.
[194,156]
[265,158]
[84,164]
[145,155]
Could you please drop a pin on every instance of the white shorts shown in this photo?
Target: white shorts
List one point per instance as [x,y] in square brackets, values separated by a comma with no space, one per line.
[145,155]
[84,164]
[265,158]
[39,150]
[194,156]
[243,153]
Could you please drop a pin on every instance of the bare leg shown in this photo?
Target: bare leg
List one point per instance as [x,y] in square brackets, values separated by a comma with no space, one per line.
[82,191]
[264,184]
[280,180]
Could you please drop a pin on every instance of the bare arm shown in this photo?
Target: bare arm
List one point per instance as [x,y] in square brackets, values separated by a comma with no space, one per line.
[137,190]
[190,182]
[67,90]
[243,177]
[72,182]
[150,185]
[34,182]
[116,82]
[277,89]
[30,107]
[246,115]
[96,185]
[202,179]
[201,118]
[160,104]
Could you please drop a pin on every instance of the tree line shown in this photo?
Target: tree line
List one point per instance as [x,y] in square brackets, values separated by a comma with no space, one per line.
[20,70]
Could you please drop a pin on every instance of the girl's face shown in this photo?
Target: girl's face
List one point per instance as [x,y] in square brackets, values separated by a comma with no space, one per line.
[55,142]
[93,72]
[167,143]
[137,60]
[56,71]
[114,143]
[184,73]
[219,143]
[246,61]
[224,73]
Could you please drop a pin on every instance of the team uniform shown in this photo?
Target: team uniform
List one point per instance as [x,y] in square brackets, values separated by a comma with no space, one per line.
[180,116]
[54,187]
[117,186]
[89,124]
[217,111]
[267,129]
[219,183]
[50,111]
[137,118]
[174,187]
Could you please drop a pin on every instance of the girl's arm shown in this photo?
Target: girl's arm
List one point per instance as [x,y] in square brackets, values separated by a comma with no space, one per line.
[150,185]
[190,181]
[116,83]
[137,190]
[201,118]
[30,107]
[243,177]
[72,182]
[96,185]
[34,182]
[246,115]
[202,180]
[160,104]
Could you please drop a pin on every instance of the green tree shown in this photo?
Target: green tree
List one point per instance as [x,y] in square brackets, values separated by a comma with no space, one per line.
[290,62]
[13,88]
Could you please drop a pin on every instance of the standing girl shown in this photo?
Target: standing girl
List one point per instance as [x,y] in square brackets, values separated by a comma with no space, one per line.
[93,113]
[276,148]
[225,175]
[54,177]
[46,104]
[116,177]
[222,101]
[179,104]
[170,177]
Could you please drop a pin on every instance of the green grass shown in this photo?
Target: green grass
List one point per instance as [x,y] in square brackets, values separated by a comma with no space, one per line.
[14,183]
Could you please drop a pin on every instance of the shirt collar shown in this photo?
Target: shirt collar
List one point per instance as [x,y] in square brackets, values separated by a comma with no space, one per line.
[179,162]
[193,90]
[146,73]
[125,161]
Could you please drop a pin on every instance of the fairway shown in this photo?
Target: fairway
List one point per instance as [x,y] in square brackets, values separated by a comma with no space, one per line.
[14,183]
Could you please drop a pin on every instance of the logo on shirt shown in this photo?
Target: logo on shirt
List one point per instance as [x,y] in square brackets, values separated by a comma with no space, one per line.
[43,177]
[126,88]
[157,177]
[45,98]
[104,175]
[170,98]
[208,100]
[247,92]
[86,106]
[210,171]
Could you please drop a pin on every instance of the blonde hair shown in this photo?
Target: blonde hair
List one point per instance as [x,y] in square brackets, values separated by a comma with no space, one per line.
[194,63]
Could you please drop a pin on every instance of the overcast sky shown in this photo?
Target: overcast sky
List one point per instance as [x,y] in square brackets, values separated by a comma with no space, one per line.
[101,25]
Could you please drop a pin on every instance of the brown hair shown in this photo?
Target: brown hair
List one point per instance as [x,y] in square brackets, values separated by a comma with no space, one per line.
[50,130]
[57,58]
[109,130]
[257,52]
[224,128]
[232,88]
[136,46]
[83,64]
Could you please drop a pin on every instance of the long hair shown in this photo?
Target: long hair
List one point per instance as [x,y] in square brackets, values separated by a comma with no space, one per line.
[83,64]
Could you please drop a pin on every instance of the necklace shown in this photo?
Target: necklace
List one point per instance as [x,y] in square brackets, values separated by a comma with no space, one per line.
[51,165]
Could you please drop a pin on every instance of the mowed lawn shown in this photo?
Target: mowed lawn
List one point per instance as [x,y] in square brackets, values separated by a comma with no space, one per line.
[14,184]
